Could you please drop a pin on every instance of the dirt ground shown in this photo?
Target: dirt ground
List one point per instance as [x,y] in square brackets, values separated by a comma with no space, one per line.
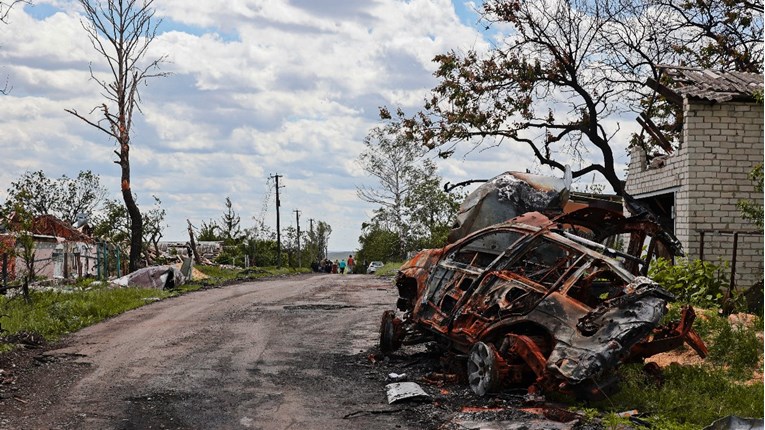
[296,352]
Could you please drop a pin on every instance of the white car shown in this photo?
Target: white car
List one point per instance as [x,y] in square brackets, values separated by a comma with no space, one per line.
[373,266]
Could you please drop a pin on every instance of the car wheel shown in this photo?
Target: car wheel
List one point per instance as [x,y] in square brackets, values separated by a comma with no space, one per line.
[483,369]
[390,332]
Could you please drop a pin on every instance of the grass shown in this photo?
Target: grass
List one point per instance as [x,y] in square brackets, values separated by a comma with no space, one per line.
[692,397]
[52,314]
[389,269]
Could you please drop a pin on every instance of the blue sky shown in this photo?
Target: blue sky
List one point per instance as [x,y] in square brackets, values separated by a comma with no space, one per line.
[258,87]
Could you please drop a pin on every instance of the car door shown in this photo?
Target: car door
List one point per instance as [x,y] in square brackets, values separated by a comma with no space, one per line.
[456,272]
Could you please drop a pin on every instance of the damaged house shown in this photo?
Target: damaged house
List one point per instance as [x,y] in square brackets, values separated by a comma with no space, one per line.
[695,187]
[61,250]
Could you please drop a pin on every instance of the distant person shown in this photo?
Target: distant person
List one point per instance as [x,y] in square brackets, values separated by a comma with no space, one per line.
[351,263]
[327,266]
[341,266]
[334,267]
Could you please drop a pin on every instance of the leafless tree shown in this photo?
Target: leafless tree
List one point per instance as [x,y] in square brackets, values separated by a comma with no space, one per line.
[121,32]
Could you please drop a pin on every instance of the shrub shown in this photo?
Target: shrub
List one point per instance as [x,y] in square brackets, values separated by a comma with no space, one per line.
[696,282]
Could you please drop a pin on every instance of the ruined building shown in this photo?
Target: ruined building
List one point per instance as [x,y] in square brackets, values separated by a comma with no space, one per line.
[695,187]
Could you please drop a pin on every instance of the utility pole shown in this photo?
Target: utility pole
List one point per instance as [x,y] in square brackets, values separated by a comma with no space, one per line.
[278,229]
[297,219]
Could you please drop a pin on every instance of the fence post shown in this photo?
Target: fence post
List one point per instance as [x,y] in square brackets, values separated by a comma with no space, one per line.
[5,271]
[98,260]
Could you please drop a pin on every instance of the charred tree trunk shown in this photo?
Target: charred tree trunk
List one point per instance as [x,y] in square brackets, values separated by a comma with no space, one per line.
[136,221]
[193,244]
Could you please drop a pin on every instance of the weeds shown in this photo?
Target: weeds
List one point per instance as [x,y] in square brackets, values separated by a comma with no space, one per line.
[690,397]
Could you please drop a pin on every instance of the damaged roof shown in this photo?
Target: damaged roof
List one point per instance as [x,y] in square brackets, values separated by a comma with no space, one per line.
[707,84]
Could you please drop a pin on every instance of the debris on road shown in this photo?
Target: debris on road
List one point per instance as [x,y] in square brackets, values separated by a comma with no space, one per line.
[405,391]
[397,377]
[157,277]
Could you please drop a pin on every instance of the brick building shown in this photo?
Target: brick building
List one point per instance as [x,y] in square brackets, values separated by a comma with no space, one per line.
[695,187]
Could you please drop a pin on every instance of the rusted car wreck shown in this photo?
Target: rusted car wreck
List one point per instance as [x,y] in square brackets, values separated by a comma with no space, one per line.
[541,302]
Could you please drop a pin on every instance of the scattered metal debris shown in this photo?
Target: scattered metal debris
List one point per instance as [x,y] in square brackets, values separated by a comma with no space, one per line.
[541,303]
[158,277]
[401,391]
[397,377]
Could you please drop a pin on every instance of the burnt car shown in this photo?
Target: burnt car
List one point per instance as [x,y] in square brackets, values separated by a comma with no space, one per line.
[540,302]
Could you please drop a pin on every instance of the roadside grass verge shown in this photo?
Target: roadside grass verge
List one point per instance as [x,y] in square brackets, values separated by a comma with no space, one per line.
[389,269]
[54,313]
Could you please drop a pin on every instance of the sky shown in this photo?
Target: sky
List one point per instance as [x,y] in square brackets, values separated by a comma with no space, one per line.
[257,88]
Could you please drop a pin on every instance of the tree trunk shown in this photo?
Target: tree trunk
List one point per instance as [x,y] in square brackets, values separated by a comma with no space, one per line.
[136,222]
[193,244]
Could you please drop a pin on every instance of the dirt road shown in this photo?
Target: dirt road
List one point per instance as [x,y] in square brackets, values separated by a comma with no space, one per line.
[277,354]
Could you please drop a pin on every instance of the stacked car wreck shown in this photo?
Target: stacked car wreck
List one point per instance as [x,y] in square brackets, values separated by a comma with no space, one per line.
[539,300]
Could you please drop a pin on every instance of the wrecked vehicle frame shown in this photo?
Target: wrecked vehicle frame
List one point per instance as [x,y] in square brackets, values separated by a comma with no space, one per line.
[541,303]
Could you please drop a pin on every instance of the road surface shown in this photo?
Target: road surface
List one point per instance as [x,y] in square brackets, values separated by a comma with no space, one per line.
[288,353]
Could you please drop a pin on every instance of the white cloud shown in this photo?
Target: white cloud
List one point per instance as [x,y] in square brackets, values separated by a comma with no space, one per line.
[257,88]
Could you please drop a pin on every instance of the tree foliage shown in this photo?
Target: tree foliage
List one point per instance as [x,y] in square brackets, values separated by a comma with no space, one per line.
[112,224]
[410,202]
[752,210]
[121,32]
[63,198]
[562,69]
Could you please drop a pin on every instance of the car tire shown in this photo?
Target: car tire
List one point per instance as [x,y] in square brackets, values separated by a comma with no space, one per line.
[483,369]
[390,332]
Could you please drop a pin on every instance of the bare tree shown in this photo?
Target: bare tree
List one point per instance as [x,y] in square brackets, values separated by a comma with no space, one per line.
[121,32]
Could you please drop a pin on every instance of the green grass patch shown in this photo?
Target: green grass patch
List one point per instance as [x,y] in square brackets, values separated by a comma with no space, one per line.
[389,269]
[52,314]
[691,397]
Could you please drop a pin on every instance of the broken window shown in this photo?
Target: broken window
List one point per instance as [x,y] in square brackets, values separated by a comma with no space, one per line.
[454,276]
[545,262]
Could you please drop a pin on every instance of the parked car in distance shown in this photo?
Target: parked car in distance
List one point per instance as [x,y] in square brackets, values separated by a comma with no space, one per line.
[373,266]
[528,302]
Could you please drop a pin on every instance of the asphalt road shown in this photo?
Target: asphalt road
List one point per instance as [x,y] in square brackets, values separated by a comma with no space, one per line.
[288,353]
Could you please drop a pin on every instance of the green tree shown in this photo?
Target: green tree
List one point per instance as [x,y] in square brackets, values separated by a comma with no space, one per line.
[64,197]
[209,231]
[121,32]
[377,243]
[317,240]
[752,210]
[22,223]
[411,203]
[113,225]
[229,225]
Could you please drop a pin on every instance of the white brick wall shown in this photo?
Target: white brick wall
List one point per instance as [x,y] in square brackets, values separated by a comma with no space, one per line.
[721,144]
